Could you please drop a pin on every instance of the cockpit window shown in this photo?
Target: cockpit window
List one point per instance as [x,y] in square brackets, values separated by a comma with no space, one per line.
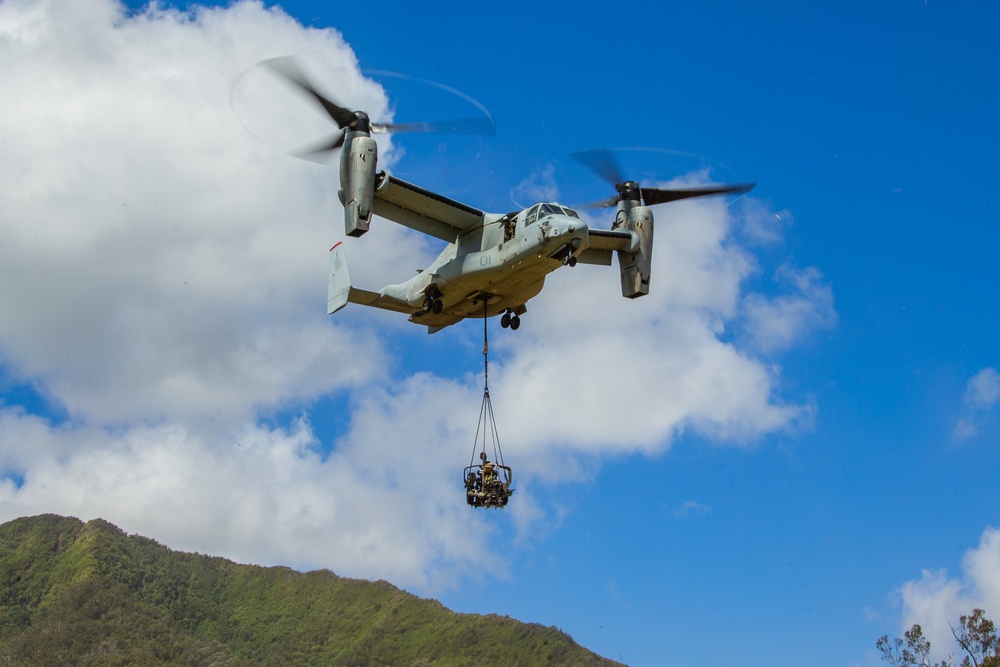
[555,209]
[549,209]
[532,215]
[539,211]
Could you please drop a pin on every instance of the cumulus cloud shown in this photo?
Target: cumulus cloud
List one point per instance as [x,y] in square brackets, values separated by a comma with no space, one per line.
[982,393]
[937,599]
[777,322]
[156,258]
[595,373]
[761,225]
[263,495]
[162,279]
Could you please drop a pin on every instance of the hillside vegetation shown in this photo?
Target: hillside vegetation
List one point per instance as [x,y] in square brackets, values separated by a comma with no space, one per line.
[88,594]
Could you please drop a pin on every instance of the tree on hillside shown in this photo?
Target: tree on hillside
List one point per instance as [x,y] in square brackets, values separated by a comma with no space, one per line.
[976,635]
[909,652]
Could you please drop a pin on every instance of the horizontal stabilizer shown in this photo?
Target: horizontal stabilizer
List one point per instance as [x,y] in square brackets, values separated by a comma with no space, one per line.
[379,300]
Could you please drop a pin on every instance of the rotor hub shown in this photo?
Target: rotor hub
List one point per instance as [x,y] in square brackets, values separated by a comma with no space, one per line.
[628,191]
[362,123]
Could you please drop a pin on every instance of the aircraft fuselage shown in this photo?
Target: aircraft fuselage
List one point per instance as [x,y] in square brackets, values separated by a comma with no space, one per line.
[504,263]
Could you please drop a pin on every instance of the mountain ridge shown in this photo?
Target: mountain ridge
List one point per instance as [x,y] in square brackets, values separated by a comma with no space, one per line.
[88,593]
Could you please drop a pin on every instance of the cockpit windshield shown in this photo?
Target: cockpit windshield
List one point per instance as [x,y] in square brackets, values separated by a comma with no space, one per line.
[549,209]
[539,211]
[555,209]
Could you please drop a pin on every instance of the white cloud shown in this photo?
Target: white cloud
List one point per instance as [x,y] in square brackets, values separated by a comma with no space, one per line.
[692,508]
[982,393]
[261,495]
[761,225]
[163,280]
[540,186]
[592,372]
[936,599]
[983,390]
[777,322]
[158,262]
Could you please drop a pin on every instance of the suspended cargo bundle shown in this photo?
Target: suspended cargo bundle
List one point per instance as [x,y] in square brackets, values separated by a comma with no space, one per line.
[487,484]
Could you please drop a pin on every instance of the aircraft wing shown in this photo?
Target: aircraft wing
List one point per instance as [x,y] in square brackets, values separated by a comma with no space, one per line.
[423,210]
[603,242]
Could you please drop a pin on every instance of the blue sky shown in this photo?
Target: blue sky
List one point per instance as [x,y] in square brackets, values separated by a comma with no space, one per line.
[785,451]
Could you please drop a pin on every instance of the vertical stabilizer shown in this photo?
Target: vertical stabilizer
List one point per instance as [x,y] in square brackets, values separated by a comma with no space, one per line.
[339,289]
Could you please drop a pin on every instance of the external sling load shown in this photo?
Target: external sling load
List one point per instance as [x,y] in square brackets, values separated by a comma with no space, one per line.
[487,484]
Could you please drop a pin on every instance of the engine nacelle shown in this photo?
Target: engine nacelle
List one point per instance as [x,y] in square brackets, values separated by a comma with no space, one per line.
[357,181]
[636,266]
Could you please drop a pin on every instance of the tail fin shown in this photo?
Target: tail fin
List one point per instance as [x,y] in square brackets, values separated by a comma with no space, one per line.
[340,292]
[339,289]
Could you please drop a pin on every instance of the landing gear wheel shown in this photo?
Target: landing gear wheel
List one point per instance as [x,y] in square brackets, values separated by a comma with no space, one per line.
[515,323]
[571,261]
[505,320]
[436,306]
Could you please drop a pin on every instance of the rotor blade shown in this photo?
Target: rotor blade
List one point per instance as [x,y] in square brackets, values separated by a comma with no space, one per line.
[290,70]
[476,125]
[602,162]
[604,203]
[653,196]
[319,152]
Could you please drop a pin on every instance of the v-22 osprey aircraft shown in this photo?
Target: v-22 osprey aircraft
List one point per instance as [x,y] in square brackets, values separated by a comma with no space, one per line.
[494,263]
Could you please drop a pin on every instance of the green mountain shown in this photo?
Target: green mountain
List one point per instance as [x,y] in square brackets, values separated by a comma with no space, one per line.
[88,594]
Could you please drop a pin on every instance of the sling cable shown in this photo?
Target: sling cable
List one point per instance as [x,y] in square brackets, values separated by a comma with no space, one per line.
[487,484]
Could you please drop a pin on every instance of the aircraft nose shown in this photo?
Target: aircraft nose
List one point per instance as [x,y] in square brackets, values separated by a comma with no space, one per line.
[567,227]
